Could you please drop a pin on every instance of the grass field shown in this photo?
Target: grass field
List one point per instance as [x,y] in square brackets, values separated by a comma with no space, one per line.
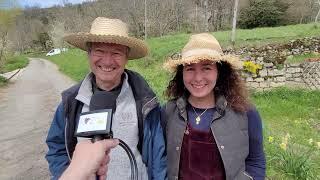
[294,113]
[301,58]
[291,117]
[14,62]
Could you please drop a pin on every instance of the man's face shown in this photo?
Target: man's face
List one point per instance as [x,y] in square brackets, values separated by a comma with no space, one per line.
[107,61]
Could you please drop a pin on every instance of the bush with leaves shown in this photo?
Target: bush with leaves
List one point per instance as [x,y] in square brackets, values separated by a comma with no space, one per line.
[262,13]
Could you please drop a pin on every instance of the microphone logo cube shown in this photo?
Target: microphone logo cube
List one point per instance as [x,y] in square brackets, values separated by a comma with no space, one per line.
[93,123]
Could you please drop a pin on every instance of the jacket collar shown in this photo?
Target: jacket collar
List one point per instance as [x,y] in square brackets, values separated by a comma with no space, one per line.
[85,91]
[142,92]
[140,88]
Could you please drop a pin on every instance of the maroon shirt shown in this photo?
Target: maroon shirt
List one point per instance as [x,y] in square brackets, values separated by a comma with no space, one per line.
[200,158]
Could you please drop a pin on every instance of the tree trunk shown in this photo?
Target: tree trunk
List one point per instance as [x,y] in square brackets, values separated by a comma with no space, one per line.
[206,25]
[316,19]
[4,44]
[234,24]
[145,20]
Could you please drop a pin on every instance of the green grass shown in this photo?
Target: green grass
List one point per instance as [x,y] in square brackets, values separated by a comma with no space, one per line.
[301,58]
[3,81]
[73,63]
[296,112]
[246,37]
[262,36]
[293,111]
[15,62]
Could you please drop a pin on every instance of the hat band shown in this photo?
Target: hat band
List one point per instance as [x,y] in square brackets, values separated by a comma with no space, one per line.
[197,52]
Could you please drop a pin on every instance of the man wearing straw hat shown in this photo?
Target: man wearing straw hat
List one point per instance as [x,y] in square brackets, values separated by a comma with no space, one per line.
[136,117]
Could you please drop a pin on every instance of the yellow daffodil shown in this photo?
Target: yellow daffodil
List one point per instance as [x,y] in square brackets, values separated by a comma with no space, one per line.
[270,139]
[283,146]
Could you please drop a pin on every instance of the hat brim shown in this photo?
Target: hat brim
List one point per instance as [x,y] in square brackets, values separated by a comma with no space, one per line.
[137,47]
[172,64]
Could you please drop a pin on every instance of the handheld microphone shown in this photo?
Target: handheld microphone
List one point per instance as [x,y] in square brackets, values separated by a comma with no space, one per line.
[102,101]
[97,123]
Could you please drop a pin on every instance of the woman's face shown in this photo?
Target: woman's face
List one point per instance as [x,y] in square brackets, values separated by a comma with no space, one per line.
[200,78]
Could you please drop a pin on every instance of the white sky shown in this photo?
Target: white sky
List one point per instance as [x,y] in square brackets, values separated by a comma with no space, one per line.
[46,3]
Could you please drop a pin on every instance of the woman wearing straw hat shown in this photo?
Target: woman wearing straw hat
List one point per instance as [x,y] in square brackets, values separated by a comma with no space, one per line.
[136,115]
[212,130]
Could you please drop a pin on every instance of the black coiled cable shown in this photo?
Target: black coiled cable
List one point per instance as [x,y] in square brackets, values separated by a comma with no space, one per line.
[133,162]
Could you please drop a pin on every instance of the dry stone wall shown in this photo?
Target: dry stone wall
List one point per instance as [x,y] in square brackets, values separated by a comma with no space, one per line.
[275,73]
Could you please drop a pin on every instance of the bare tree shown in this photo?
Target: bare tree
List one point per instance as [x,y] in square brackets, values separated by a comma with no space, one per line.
[316,19]
[56,33]
[234,24]
[7,22]
[206,14]
[145,19]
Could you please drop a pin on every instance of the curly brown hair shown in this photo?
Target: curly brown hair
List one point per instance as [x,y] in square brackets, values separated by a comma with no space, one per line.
[229,84]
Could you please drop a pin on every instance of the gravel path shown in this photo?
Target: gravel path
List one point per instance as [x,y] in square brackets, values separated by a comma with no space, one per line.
[27,106]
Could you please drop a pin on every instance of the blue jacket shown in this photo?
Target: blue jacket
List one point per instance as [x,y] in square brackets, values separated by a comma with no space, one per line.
[61,141]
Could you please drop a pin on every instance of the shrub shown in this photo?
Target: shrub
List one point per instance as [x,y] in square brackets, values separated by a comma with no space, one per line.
[262,13]
[293,160]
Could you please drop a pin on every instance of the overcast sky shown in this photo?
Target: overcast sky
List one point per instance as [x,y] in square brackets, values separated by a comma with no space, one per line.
[46,3]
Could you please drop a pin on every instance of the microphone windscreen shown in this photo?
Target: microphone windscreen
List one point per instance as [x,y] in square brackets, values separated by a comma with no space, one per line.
[103,100]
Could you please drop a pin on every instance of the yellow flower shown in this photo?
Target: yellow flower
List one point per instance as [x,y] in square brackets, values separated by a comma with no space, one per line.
[310,141]
[318,145]
[251,67]
[270,139]
[283,146]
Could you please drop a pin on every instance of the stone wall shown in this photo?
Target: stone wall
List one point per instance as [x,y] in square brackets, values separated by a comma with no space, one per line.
[306,74]
[278,53]
[275,72]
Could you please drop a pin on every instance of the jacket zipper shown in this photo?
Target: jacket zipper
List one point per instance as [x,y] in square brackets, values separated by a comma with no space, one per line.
[65,138]
[186,127]
[245,173]
[218,145]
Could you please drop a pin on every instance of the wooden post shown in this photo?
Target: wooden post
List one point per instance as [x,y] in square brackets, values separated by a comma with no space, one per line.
[234,24]
[316,19]
[206,25]
[145,19]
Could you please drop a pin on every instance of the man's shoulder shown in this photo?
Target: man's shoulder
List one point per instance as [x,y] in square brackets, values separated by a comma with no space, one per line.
[135,76]
[139,85]
[70,93]
[73,89]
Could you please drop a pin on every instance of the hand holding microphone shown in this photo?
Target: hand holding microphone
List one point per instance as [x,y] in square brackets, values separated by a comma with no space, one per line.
[97,123]
[90,159]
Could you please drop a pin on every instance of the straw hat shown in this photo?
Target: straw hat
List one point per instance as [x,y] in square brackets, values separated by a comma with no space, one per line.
[109,31]
[202,47]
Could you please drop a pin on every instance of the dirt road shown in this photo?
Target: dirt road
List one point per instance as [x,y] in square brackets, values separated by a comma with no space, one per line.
[26,110]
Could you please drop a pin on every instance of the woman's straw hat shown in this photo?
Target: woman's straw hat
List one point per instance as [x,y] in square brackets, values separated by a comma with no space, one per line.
[109,31]
[202,47]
